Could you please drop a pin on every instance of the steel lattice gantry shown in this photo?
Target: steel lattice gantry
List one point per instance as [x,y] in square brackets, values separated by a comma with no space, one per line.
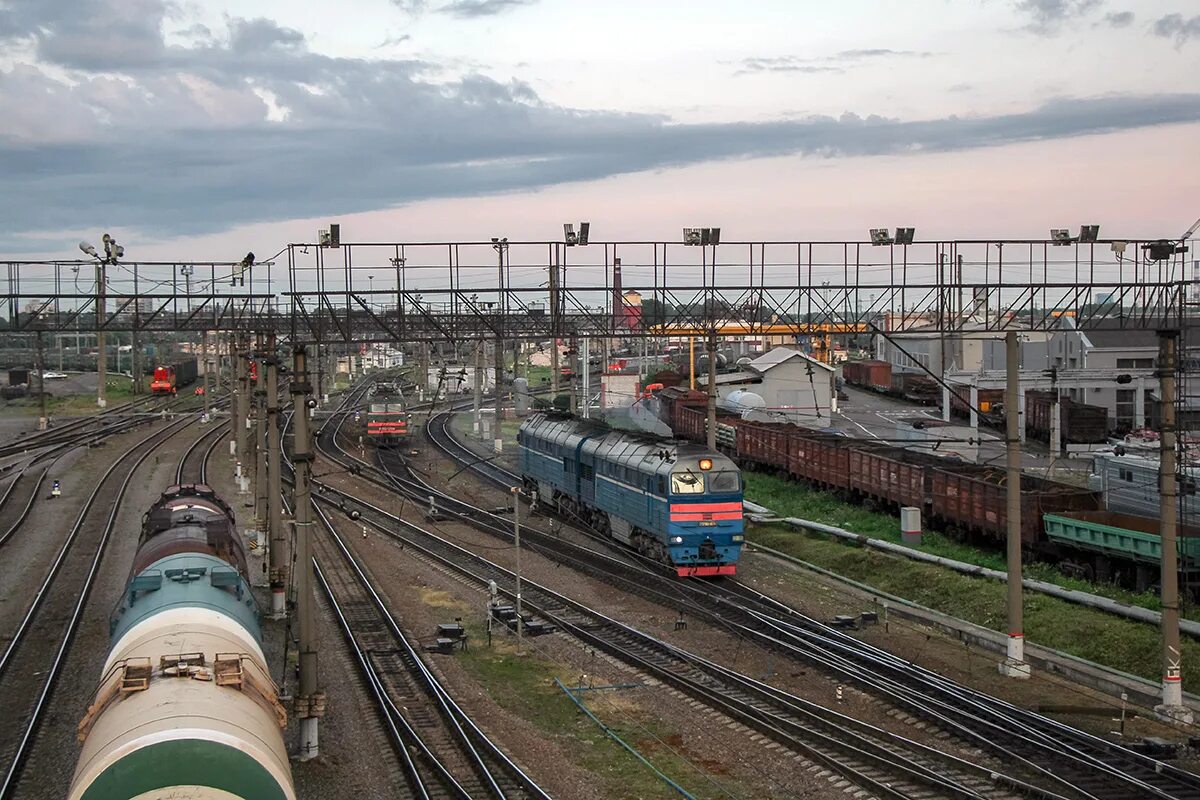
[414,292]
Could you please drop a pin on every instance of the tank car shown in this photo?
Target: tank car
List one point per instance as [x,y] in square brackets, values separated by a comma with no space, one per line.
[676,502]
[186,706]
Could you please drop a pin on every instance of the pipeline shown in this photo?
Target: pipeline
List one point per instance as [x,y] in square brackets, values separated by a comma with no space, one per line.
[759,513]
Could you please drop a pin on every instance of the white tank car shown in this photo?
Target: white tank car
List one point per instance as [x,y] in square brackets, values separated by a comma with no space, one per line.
[186,708]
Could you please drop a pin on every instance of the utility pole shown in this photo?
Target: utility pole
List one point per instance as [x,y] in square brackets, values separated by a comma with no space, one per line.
[310,702]
[1014,664]
[574,350]
[516,492]
[278,553]
[204,358]
[555,321]
[1168,509]
[712,391]
[237,387]
[101,353]
[43,420]
[499,397]
[478,405]
[585,359]
[260,448]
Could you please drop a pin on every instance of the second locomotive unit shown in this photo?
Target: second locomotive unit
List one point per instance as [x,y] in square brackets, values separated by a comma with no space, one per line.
[676,502]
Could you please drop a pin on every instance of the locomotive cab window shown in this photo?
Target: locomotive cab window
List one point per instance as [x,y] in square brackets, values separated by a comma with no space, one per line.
[686,483]
[725,480]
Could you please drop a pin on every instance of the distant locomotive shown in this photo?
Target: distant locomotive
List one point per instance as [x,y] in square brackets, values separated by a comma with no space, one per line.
[387,423]
[186,706]
[676,502]
[169,378]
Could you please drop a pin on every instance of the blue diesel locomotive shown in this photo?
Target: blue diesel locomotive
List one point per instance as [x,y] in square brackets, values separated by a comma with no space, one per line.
[672,501]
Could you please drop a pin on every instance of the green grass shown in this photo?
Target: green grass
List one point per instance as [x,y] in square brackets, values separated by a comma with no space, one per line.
[791,499]
[1129,646]
[524,686]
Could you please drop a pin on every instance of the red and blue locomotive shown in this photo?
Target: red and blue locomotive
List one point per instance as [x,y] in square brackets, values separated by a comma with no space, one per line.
[676,502]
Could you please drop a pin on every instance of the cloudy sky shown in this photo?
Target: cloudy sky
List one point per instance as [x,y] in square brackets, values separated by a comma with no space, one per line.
[212,127]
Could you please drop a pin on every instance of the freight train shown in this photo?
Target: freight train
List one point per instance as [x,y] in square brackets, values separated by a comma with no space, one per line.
[909,383]
[675,502]
[169,378]
[186,706]
[966,499]
[1107,531]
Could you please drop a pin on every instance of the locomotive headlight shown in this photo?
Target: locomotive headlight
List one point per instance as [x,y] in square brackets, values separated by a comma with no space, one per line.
[676,540]
[737,537]
[705,464]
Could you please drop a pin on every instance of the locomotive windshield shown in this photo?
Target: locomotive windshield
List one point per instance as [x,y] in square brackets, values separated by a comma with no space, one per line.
[726,480]
[686,483]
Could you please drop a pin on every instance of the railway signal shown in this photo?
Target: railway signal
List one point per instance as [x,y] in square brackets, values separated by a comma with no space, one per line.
[55,489]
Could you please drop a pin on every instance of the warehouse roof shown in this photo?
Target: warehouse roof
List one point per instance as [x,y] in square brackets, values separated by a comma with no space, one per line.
[780,355]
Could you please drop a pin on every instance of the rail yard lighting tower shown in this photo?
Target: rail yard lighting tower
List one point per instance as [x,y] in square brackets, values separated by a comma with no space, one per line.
[112,253]
[500,245]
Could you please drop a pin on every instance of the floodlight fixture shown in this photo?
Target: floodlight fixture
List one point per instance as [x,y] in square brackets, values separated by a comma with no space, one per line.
[1163,249]
[88,249]
[584,229]
[698,237]
[1061,236]
[1118,247]
[880,236]
[1088,234]
[905,235]
[569,235]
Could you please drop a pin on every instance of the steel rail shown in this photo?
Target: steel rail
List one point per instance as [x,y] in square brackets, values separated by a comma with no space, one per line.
[478,748]
[32,722]
[774,719]
[946,702]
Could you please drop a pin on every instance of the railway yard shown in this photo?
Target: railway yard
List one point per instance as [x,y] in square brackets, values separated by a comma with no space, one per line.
[625,681]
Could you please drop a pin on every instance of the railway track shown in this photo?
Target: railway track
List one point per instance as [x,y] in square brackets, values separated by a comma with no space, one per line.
[16,503]
[193,465]
[444,753]
[35,655]
[1068,759]
[883,763]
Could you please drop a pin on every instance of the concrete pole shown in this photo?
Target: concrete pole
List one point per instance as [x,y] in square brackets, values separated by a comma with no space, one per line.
[260,448]
[692,363]
[310,702]
[241,381]
[207,365]
[101,356]
[477,406]
[572,390]
[516,491]
[712,392]
[585,359]
[499,396]
[43,420]
[554,323]
[1168,509]
[1056,426]
[135,366]
[238,422]
[1014,665]
[279,544]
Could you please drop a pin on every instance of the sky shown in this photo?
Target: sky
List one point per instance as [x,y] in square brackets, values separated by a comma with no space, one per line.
[206,129]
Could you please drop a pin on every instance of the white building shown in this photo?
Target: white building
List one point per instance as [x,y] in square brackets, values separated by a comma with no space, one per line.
[791,386]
